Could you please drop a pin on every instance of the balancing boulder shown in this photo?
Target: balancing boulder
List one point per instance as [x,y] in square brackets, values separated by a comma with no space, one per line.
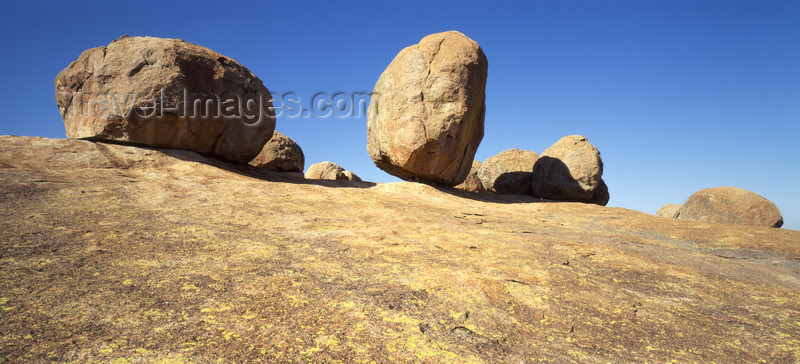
[425,119]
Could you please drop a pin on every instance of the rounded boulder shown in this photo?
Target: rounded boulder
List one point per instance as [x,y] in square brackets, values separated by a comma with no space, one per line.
[570,170]
[281,153]
[509,172]
[331,171]
[731,205]
[166,93]
[425,118]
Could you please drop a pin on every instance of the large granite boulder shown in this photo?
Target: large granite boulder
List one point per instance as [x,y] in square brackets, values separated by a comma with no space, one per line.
[570,170]
[165,93]
[472,183]
[425,120]
[509,172]
[281,153]
[669,210]
[731,205]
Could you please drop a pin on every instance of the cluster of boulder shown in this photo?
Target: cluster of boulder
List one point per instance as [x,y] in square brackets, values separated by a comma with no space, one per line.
[330,170]
[729,205]
[570,170]
[425,122]
[174,94]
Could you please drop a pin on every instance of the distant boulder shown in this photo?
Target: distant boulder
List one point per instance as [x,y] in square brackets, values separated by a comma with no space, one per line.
[509,173]
[472,183]
[281,153]
[166,93]
[669,210]
[425,119]
[325,170]
[731,205]
[350,176]
[330,170]
[570,170]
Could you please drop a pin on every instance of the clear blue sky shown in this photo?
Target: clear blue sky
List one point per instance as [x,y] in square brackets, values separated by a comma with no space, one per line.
[676,95]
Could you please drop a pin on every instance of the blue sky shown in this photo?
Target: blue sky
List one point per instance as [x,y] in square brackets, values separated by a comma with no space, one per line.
[676,95]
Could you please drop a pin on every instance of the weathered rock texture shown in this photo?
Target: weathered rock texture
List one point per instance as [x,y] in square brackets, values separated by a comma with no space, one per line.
[149,91]
[570,170]
[509,172]
[281,153]
[472,183]
[425,120]
[112,253]
[731,205]
[330,170]
[669,210]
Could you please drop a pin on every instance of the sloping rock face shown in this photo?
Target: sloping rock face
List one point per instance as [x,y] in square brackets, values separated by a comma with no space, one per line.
[425,120]
[509,172]
[669,210]
[472,183]
[570,170]
[166,93]
[731,205]
[114,253]
[281,153]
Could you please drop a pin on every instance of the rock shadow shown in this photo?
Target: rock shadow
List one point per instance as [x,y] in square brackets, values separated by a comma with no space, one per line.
[514,183]
[239,168]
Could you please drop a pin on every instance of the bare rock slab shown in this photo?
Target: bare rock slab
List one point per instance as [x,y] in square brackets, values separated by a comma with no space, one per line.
[115,253]
[165,93]
[425,121]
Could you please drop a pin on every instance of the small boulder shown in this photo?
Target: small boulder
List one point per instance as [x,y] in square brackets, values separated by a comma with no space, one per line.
[281,153]
[731,205]
[325,170]
[166,93]
[425,120]
[669,210]
[350,176]
[570,170]
[472,183]
[330,170]
[509,173]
